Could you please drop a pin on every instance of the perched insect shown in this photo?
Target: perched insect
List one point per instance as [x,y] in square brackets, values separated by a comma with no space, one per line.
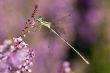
[44,23]
[41,22]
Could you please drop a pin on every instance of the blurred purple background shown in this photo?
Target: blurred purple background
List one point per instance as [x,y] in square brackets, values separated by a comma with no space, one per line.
[85,24]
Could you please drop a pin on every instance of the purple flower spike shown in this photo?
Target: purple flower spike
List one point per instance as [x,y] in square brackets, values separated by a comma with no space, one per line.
[15,57]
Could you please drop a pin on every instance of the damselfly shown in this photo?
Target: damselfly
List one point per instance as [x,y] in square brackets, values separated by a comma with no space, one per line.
[44,23]
[41,22]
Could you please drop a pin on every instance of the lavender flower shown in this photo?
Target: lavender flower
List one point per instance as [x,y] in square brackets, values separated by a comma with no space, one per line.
[15,57]
[66,67]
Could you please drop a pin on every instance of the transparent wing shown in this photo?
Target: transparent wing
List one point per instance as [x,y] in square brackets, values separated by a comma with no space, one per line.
[51,43]
[59,30]
[52,38]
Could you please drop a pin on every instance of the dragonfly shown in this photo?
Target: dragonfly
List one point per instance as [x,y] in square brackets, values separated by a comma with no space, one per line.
[42,22]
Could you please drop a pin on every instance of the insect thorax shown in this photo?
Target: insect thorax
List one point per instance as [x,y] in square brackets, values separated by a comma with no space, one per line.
[43,22]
